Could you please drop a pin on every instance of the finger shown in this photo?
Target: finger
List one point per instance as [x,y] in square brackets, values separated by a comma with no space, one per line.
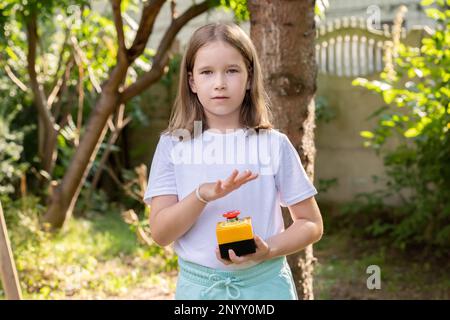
[229,181]
[250,178]
[234,258]
[244,175]
[262,248]
[226,262]
[259,242]
[253,176]
[233,175]
[218,186]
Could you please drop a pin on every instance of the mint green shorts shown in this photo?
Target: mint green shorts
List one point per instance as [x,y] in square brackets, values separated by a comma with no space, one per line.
[269,280]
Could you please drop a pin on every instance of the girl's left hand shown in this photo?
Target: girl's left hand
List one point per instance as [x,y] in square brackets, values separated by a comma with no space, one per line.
[261,254]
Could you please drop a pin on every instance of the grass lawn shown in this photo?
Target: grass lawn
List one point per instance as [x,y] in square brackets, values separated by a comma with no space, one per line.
[342,264]
[99,257]
[95,258]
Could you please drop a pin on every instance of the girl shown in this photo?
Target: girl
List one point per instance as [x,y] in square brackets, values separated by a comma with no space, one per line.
[220,153]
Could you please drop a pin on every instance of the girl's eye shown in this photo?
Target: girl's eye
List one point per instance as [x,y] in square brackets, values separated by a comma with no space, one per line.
[205,72]
[233,70]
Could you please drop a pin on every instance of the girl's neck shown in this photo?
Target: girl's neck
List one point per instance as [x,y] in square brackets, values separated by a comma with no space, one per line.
[224,129]
[223,126]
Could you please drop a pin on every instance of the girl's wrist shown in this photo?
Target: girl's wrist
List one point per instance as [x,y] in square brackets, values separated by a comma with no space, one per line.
[271,252]
[265,257]
[200,196]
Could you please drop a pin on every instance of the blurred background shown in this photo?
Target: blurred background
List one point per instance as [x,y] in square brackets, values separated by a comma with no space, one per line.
[87,86]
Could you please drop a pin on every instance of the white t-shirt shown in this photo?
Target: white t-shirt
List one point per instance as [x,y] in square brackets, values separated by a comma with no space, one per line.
[178,167]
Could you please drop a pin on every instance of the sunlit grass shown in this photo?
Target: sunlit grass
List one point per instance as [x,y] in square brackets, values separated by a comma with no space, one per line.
[92,258]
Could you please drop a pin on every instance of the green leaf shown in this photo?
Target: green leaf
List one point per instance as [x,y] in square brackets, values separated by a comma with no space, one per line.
[425,3]
[359,82]
[435,14]
[367,134]
[389,95]
[445,91]
[388,123]
[61,141]
[411,133]
[11,54]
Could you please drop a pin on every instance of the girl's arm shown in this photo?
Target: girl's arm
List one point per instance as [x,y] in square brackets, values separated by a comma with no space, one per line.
[306,229]
[170,218]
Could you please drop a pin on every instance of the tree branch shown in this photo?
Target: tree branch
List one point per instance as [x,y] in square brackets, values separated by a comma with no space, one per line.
[115,132]
[173,10]
[80,101]
[57,80]
[63,90]
[39,95]
[149,14]
[122,53]
[60,83]
[79,54]
[14,79]
[179,23]
[161,58]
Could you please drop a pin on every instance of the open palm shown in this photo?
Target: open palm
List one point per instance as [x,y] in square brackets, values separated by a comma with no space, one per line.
[215,190]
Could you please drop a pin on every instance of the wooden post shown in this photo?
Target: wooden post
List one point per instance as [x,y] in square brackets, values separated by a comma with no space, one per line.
[8,271]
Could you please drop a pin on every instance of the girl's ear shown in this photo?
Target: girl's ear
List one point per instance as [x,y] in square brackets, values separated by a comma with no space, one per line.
[249,83]
[191,82]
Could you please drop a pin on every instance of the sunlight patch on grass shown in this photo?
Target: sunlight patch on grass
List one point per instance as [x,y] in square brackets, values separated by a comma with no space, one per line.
[97,258]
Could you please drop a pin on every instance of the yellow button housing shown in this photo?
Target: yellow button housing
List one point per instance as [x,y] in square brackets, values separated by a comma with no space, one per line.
[234,231]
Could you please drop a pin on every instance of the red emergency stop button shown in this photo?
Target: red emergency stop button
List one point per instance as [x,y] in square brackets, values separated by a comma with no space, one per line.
[232,214]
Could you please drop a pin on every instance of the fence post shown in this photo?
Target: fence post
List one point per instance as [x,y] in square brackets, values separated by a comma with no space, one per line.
[8,272]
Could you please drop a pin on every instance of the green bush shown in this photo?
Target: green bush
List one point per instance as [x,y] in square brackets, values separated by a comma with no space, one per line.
[12,166]
[417,113]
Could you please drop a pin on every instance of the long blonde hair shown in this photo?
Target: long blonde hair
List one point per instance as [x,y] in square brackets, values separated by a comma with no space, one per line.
[255,110]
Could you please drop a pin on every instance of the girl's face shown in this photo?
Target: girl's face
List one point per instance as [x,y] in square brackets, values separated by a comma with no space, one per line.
[220,80]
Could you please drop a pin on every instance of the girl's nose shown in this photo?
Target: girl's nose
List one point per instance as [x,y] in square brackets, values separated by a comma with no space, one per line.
[219,82]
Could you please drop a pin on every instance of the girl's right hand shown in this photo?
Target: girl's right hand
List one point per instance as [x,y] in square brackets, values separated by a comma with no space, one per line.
[215,190]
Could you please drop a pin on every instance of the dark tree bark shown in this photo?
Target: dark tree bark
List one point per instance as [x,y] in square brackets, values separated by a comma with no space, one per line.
[284,33]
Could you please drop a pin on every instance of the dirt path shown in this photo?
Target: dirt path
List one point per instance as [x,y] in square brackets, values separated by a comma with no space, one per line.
[164,289]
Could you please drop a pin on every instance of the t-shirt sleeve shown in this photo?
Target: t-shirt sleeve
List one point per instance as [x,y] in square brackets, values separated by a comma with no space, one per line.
[291,180]
[161,180]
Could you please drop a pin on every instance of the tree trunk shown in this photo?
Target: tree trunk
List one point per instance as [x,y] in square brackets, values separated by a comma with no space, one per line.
[284,34]
[47,132]
[47,144]
[64,195]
